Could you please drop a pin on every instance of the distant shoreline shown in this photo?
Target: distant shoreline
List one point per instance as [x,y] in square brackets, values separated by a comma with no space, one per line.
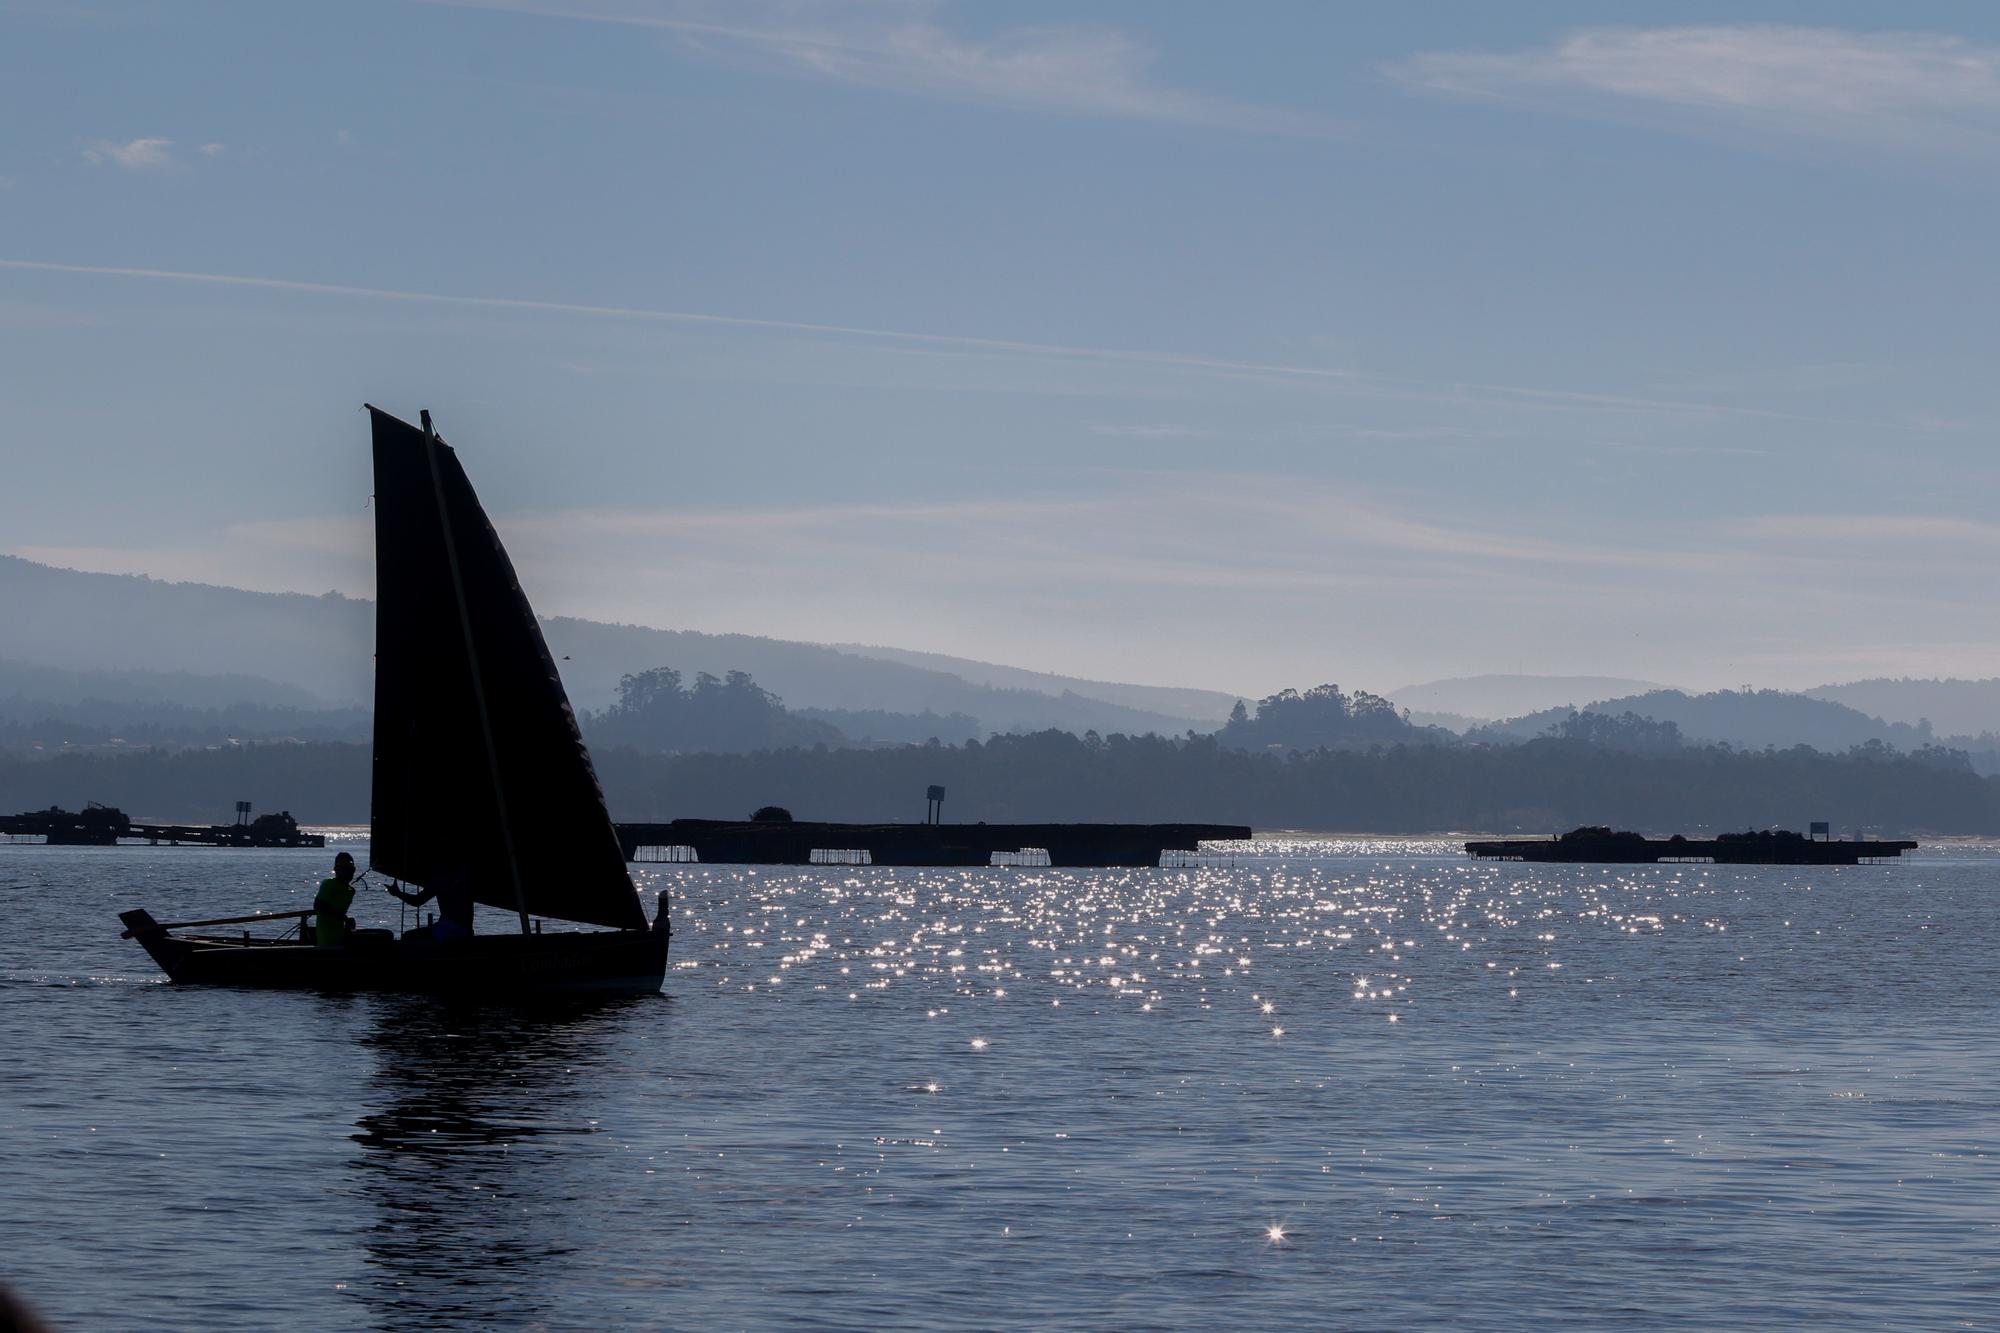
[1538,788]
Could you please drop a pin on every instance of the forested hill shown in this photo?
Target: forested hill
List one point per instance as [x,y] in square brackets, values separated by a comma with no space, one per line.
[1538,787]
[1324,717]
[1744,718]
[809,675]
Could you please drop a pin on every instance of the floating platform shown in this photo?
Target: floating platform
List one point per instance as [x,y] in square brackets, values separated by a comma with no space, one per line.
[1780,848]
[787,843]
[102,826]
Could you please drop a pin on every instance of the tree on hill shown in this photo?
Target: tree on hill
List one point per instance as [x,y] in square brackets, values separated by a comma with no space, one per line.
[656,713]
[1626,731]
[1323,717]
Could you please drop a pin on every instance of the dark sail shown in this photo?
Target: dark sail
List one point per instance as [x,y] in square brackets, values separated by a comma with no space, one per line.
[479,766]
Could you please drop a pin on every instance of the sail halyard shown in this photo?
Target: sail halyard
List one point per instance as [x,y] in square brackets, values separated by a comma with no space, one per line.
[479,769]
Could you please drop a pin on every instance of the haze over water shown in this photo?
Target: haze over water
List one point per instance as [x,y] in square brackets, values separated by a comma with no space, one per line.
[1336,1084]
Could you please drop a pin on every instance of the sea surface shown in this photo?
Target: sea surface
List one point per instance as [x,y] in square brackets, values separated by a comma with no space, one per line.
[1356,1084]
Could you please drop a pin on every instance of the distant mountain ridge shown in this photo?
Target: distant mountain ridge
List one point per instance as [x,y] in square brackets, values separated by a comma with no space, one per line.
[22,682]
[1953,707]
[323,646]
[127,622]
[70,637]
[1493,697]
[1200,705]
[1903,712]
[1747,719]
[812,675]
[48,710]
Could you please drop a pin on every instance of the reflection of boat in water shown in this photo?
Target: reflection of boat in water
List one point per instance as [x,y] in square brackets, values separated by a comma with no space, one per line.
[473,1154]
[481,776]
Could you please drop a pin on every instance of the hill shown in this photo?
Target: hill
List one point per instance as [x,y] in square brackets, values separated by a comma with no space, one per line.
[49,710]
[1486,698]
[1953,707]
[1746,719]
[813,675]
[124,623]
[23,685]
[1211,706]
[323,646]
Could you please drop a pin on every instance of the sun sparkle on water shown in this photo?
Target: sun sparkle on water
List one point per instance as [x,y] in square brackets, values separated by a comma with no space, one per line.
[1430,1142]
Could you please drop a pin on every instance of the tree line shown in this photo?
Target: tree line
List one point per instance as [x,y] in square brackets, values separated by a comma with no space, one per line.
[1541,786]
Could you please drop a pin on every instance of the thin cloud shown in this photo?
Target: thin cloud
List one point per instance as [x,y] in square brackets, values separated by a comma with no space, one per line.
[133,155]
[903,47]
[1304,537]
[1906,89]
[1144,431]
[1419,434]
[1685,450]
[1459,393]
[1925,532]
[212,150]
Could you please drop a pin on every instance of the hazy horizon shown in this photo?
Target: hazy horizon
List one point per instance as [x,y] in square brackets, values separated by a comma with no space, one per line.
[1169,347]
[1493,697]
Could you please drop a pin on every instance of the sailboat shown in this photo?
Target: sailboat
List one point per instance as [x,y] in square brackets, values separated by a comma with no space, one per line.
[481,778]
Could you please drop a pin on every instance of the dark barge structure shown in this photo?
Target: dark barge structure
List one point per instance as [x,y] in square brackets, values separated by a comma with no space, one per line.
[781,841]
[103,826]
[1601,846]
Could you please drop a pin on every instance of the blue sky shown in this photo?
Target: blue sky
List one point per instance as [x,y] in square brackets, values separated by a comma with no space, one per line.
[1239,347]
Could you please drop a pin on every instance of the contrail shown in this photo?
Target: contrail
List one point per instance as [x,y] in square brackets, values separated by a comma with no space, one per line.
[1176,360]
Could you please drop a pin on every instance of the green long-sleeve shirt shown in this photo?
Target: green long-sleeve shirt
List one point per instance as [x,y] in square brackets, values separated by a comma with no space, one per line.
[330,906]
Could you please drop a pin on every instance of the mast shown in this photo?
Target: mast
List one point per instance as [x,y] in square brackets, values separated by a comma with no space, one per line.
[478,678]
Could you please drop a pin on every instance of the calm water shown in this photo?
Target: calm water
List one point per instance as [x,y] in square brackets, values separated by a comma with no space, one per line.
[1363,1085]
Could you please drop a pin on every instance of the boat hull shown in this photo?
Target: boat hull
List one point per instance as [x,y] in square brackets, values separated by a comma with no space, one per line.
[616,961]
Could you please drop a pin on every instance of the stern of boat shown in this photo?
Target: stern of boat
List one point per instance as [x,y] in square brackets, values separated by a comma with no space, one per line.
[153,937]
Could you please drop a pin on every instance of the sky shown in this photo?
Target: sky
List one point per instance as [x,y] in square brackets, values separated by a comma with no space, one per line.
[1229,346]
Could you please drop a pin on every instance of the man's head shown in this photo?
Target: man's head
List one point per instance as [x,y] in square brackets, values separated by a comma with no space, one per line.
[343,867]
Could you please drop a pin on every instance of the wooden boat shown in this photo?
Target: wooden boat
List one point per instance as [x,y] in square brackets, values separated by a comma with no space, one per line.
[480,777]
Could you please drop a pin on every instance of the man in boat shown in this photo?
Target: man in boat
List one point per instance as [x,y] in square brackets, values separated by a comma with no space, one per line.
[330,904]
[453,891]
